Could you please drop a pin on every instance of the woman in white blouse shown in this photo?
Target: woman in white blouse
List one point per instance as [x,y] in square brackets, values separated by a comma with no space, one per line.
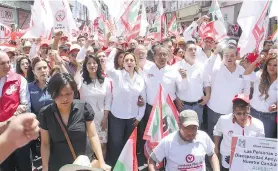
[125,114]
[264,100]
[96,90]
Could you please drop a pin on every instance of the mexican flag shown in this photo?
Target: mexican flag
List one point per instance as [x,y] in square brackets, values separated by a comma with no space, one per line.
[155,29]
[128,159]
[172,26]
[163,121]
[129,18]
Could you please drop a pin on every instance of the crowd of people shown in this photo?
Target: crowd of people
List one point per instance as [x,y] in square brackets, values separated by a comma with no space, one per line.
[88,99]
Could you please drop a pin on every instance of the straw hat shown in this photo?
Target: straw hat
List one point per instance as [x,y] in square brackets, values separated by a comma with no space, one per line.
[81,163]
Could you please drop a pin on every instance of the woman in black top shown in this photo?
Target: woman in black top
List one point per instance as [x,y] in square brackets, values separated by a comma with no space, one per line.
[77,118]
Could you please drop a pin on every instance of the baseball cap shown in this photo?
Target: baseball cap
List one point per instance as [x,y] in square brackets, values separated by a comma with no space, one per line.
[74,47]
[241,97]
[209,36]
[27,44]
[188,117]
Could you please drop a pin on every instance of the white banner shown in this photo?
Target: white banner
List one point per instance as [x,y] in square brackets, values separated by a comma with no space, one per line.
[7,16]
[5,32]
[252,153]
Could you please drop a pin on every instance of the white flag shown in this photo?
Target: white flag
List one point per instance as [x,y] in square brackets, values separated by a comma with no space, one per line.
[5,32]
[252,20]
[273,9]
[42,20]
[93,8]
[63,19]
[144,22]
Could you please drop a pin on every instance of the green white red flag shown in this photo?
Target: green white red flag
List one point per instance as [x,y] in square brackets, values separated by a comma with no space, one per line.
[274,36]
[130,16]
[128,159]
[163,121]
[173,27]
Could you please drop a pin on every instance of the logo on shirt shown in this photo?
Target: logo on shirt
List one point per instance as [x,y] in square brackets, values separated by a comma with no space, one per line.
[11,89]
[241,143]
[34,92]
[240,76]
[230,133]
[150,75]
[189,158]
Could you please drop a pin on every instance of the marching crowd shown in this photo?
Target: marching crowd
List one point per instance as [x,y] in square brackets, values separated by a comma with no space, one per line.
[88,99]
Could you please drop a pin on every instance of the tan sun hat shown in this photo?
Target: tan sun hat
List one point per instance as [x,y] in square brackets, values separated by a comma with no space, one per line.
[82,162]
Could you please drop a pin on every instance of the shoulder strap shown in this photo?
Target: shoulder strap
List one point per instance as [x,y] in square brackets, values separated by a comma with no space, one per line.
[66,135]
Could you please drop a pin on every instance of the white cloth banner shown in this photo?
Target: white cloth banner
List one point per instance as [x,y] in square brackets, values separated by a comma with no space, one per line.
[93,8]
[251,19]
[63,19]
[5,32]
[41,21]
[253,153]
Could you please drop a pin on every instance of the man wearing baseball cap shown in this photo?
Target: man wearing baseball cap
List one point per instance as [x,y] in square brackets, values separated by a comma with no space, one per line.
[240,122]
[186,148]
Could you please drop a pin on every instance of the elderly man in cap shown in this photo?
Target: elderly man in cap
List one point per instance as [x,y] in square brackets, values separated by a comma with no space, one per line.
[186,148]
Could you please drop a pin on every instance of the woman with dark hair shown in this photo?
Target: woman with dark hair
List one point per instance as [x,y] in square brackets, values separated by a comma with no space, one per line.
[39,96]
[96,90]
[67,126]
[23,64]
[128,87]
[118,60]
[264,99]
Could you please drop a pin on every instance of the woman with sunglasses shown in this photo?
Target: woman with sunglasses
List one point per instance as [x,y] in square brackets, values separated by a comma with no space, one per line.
[264,99]
[125,113]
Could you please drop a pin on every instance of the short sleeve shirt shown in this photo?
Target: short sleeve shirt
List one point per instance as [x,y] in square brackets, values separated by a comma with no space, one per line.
[181,155]
[60,153]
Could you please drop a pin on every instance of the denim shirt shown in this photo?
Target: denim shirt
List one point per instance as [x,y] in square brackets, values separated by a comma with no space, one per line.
[38,97]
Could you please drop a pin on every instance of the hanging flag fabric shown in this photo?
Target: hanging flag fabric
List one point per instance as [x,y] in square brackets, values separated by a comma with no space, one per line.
[163,121]
[217,26]
[42,20]
[144,22]
[63,18]
[274,36]
[155,28]
[130,16]
[273,9]
[128,159]
[252,20]
[116,13]
[5,32]
[173,27]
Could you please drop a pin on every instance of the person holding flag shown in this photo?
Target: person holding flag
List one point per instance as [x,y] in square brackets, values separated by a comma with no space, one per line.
[186,148]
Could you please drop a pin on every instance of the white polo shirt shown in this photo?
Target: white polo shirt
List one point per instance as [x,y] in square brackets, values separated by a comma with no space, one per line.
[196,81]
[227,127]
[225,85]
[168,77]
[259,102]
[182,155]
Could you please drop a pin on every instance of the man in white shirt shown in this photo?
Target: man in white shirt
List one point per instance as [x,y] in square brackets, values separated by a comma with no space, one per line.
[169,78]
[204,51]
[186,148]
[192,97]
[226,80]
[141,55]
[14,100]
[240,122]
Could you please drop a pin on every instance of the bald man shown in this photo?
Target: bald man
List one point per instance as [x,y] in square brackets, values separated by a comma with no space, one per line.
[132,44]
[141,55]
[14,100]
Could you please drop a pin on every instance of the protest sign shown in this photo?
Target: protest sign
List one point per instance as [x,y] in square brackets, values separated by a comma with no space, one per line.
[253,153]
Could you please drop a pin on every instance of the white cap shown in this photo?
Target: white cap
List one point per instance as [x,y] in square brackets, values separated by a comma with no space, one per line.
[81,163]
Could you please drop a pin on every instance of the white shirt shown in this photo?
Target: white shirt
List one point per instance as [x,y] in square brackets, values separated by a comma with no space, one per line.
[259,102]
[125,92]
[225,85]
[146,68]
[99,96]
[228,128]
[195,81]
[168,77]
[182,155]
[24,91]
